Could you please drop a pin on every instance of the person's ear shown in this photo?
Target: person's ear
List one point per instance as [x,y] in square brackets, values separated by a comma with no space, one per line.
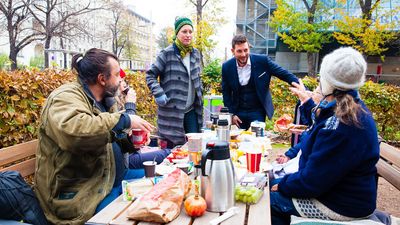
[101,79]
[233,51]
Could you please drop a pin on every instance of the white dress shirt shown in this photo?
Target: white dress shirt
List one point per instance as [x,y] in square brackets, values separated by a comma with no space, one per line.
[244,72]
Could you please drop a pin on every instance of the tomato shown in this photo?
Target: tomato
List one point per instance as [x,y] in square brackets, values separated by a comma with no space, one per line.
[195,206]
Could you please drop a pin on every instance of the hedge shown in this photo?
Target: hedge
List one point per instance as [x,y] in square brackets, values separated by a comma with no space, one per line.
[23,94]
[383,100]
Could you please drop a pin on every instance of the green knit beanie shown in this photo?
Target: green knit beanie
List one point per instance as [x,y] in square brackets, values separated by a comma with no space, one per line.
[180,22]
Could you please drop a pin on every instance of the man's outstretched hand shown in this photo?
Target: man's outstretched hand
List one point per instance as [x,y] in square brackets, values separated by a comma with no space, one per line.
[139,123]
[236,120]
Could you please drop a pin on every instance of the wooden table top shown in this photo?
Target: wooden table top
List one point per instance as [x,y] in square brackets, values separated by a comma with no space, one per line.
[115,214]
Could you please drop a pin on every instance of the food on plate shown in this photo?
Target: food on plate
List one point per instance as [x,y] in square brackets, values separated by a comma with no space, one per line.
[164,169]
[297,127]
[178,155]
[282,123]
[135,188]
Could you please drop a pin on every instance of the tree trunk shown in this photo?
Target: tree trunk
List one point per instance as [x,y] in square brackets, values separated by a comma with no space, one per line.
[13,57]
[311,64]
[46,52]
[199,13]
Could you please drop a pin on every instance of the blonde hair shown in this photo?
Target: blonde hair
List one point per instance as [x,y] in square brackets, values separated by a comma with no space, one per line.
[347,109]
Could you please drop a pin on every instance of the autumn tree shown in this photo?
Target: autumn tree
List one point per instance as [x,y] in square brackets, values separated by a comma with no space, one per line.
[207,19]
[20,33]
[116,26]
[164,38]
[302,28]
[366,33]
[59,18]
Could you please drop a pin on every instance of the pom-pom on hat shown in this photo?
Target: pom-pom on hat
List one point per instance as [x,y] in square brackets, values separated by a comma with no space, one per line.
[122,73]
[343,69]
[180,22]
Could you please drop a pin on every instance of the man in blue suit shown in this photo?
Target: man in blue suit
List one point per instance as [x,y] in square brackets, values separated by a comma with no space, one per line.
[245,83]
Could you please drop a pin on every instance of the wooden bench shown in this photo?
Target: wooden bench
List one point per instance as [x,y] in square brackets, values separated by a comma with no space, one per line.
[389,164]
[20,157]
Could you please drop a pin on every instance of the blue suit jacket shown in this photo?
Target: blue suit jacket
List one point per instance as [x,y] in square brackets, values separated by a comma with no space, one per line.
[262,68]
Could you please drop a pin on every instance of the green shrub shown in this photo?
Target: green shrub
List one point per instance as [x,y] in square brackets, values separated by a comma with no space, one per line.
[23,94]
[383,100]
[146,106]
[211,77]
[4,61]
[37,61]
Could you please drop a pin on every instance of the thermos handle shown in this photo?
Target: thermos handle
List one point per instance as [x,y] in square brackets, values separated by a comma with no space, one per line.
[206,154]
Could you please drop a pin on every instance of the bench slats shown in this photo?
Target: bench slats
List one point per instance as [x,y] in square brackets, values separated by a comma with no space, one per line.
[390,154]
[389,173]
[17,152]
[25,168]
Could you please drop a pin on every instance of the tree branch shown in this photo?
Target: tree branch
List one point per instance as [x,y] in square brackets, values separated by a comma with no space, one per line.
[307,5]
[204,3]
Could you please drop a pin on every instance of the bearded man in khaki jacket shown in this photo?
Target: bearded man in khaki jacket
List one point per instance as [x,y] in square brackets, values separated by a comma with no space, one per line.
[78,165]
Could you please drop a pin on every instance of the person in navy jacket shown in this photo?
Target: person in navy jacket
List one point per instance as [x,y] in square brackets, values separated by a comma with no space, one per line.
[245,83]
[336,176]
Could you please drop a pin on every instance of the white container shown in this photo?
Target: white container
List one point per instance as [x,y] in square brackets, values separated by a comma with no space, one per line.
[258,128]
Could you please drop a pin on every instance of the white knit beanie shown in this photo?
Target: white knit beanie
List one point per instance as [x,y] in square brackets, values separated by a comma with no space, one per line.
[343,69]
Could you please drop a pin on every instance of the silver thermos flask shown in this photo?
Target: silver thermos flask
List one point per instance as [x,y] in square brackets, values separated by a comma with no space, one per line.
[223,130]
[217,177]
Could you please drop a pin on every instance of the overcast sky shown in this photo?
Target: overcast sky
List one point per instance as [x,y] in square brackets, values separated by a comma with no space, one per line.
[163,13]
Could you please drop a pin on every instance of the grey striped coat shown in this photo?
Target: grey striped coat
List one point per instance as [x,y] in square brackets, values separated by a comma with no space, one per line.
[169,76]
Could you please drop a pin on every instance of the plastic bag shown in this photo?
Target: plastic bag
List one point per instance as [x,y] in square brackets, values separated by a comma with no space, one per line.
[162,203]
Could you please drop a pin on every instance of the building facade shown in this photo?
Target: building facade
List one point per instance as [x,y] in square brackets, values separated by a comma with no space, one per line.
[95,32]
[253,15]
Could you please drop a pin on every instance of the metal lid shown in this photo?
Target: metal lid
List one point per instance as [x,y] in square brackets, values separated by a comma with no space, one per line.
[220,150]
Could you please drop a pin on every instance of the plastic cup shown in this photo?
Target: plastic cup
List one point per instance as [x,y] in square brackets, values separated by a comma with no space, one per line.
[149,168]
[253,160]
[162,143]
[139,137]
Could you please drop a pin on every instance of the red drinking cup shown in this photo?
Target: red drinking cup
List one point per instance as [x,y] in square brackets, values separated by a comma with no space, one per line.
[139,137]
[253,162]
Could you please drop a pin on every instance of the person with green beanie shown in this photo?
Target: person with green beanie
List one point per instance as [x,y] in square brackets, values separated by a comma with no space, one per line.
[174,80]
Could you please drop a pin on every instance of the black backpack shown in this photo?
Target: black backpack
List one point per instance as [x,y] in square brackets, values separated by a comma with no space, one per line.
[17,200]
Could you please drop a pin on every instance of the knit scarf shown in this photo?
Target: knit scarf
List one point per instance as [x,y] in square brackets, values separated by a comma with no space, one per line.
[183,50]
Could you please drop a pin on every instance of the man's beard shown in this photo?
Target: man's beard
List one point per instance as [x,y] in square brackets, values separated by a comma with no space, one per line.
[110,91]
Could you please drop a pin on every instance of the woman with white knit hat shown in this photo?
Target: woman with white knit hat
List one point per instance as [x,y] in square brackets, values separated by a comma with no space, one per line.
[336,176]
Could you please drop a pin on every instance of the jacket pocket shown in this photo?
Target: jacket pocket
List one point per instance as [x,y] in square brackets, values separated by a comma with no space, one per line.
[68,200]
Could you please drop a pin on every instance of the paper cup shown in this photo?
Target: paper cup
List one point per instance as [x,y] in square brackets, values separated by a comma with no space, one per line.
[253,160]
[149,168]
[139,137]
[194,141]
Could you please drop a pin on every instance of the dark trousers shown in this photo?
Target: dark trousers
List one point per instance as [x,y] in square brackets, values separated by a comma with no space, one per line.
[249,116]
[190,125]
[190,122]
[281,209]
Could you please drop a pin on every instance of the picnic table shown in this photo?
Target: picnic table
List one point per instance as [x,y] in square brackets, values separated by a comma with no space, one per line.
[116,214]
